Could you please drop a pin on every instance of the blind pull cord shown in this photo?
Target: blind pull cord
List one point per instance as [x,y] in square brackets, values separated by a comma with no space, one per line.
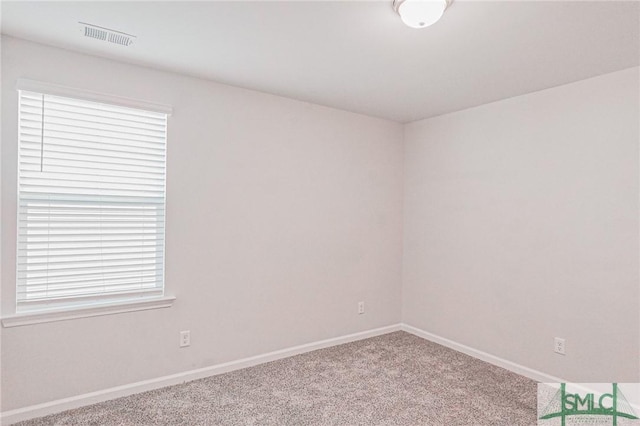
[42,136]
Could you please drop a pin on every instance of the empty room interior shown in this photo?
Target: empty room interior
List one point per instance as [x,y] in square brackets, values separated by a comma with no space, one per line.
[394,212]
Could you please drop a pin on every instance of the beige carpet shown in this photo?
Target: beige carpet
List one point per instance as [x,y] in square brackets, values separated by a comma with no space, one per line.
[394,379]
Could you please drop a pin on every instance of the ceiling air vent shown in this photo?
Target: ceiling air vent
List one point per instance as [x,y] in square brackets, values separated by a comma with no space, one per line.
[106,34]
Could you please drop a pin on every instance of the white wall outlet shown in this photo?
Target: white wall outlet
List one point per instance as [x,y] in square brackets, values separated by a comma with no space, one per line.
[185,338]
[360,308]
[558,345]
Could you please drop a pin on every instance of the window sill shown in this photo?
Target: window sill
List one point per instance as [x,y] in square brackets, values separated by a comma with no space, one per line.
[30,318]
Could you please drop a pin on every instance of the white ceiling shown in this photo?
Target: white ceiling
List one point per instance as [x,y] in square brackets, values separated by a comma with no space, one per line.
[355,55]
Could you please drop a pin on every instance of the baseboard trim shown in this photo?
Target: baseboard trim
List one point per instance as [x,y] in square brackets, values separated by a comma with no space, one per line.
[39,410]
[536,375]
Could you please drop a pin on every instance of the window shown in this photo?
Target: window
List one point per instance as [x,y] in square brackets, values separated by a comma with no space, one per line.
[91,203]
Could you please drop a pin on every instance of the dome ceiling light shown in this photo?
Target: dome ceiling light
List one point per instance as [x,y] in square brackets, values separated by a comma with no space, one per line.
[420,13]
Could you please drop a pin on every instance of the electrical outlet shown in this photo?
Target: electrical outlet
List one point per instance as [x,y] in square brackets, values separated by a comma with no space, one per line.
[185,338]
[558,345]
[360,308]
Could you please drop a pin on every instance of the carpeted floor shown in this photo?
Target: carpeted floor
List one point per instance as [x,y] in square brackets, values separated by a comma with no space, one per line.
[394,379]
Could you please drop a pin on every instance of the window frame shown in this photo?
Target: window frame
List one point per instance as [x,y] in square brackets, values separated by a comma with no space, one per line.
[95,306]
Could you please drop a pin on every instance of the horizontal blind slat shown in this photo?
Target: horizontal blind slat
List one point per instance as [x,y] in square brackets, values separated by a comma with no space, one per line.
[82,280]
[35,304]
[59,157]
[103,108]
[33,108]
[96,255]
[62,146]
[107,182]
[87,287]
[70,122]
[33,139]
[54,247]
[96,273]
[59,129]
[103,264]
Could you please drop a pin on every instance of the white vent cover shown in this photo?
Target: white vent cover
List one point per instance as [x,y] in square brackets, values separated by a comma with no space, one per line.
[106,34]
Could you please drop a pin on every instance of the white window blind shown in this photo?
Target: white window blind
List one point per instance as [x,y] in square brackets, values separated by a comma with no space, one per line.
[91,202]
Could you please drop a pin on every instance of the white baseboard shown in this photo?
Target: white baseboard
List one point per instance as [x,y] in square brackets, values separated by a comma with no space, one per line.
[38,410]
[33,411]
[536,375]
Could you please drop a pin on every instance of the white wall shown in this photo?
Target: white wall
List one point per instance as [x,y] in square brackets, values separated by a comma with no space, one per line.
[281,216]
[521,224]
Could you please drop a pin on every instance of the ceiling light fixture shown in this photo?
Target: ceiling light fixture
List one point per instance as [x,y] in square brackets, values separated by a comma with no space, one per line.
[420,13]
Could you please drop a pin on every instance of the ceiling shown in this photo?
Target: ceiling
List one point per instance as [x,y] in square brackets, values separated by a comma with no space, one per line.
[355,55]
